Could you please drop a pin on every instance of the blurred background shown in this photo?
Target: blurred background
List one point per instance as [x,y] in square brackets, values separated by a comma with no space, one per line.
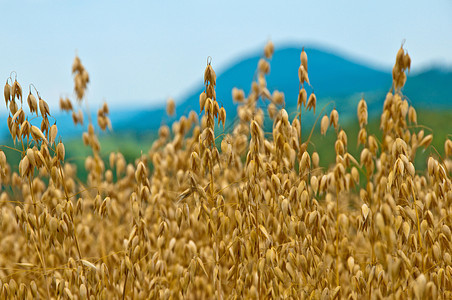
[140,53]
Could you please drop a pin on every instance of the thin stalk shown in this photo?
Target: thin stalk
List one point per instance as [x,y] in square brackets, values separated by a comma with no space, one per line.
[258,247]
[337,237]
[217,250]
[418,227]
[217,254]
[41,255]
[125,285]
[67,198]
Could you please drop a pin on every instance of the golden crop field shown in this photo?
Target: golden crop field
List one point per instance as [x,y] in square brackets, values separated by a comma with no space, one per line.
[211,215]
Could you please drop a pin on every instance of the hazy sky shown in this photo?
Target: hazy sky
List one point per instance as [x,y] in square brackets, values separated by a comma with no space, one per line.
[140,52]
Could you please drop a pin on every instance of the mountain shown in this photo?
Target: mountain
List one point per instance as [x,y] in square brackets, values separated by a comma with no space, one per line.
[430,89]
[330,75]
[333,78]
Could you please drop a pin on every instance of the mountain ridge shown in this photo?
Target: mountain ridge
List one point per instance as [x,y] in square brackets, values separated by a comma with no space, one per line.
[332,76]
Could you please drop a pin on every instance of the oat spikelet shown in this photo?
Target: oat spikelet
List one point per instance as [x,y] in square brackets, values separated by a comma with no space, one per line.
[170,107]
[324,125]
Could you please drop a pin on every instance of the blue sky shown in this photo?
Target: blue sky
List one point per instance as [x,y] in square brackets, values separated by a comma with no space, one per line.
[140,52]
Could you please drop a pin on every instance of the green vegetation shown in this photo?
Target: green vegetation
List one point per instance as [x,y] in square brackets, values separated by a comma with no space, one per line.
[131,145]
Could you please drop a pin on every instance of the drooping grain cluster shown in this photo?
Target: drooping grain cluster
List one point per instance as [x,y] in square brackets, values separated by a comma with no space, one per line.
[81,78]
[255,217]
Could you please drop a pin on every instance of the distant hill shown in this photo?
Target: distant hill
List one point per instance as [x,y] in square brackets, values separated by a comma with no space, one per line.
[430,89]
[333,78]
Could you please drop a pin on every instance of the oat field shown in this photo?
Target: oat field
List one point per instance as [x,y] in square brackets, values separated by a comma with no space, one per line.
[208,213]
